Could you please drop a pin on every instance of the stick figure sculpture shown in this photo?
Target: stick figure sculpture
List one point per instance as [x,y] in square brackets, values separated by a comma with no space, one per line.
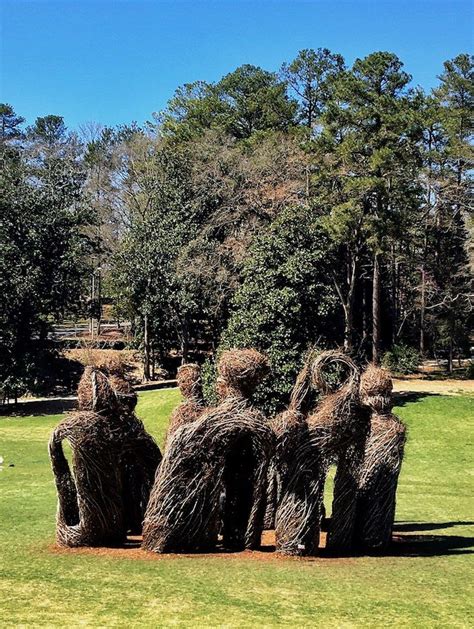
[190,385]
[226,447]
[382,463]
[290,429]
[114,463]
[335,432]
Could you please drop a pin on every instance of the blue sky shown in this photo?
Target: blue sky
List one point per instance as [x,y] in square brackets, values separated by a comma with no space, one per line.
[115,61]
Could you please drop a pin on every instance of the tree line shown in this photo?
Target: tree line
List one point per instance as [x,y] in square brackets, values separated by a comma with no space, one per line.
[318,205]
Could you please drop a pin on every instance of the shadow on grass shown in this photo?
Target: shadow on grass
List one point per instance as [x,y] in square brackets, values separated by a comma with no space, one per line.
[430,545]
[37,408]
[407,542]
[400,527]
[401,398]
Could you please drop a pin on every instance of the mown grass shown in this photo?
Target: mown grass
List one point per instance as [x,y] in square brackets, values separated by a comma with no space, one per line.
[425,582]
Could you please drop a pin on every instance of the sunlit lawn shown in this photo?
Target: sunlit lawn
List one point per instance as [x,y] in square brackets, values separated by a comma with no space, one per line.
[426,582]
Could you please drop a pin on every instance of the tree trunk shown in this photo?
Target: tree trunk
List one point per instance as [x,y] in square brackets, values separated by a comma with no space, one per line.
[99,301]
[450,354]
[395,311]
[422,313]
[376,311]
[185,341]
[348,328]
[91,321]
[347,299]
[365,330]
[146,349]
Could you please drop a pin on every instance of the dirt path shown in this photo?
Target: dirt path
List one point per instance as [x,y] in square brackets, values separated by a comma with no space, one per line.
[442,387]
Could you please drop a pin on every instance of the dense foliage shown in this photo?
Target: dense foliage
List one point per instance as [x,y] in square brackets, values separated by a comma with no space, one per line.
[42,243]
[284,300]
[401,359]
[315,205]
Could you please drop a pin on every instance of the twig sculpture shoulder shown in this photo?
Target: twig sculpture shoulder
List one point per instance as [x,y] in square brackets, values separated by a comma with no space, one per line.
[226,448]
[114,463]
[382,463]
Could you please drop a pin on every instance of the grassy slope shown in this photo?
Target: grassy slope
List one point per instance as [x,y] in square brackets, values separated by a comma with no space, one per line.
[428,586]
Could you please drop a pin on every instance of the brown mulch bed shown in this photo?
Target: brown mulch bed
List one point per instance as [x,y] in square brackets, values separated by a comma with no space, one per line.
[265,554]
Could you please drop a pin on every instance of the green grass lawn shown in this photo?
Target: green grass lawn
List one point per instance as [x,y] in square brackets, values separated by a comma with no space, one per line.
[425,582]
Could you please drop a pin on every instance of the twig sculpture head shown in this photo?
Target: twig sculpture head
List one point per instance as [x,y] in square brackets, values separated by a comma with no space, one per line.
[241,371]
[189,381]
[103,392]
[376,389]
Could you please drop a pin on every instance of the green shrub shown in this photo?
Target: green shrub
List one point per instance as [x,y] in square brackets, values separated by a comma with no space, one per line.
[469,372]
[209,376]
[401,359]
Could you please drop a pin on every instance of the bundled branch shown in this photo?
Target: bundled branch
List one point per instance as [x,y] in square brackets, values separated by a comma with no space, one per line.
[114,463]
[226,450]
[382,463]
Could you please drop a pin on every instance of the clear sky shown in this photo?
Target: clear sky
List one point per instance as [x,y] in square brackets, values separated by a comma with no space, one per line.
[114,61]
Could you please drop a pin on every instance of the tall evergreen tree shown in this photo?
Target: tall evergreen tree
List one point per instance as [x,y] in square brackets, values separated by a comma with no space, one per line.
[284,305]
[449,302]
[367,179]
[310,78]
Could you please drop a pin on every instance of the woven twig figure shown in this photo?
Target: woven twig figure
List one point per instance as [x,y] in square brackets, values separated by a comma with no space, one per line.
[336,433]
[340,427]
[190,385]
[288,428]
[227,447]
[114,463]
[240,371]
[382,463]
